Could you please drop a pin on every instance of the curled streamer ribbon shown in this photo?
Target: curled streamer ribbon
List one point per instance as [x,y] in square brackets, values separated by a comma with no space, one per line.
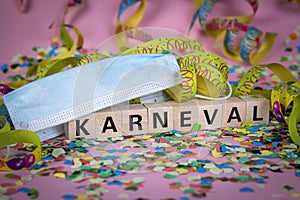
[10,137]
[283,95]
[250,50]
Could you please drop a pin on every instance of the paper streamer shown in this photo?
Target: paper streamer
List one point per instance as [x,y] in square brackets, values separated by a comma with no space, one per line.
[10,137]
[250,50]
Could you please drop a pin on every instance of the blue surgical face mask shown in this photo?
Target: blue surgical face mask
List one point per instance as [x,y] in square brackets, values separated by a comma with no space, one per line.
[73,93]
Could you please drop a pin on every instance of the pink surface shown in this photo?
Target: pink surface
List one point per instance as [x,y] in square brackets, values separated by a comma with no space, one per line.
[96,20]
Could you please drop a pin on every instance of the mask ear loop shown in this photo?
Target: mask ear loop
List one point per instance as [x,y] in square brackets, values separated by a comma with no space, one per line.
[216,99]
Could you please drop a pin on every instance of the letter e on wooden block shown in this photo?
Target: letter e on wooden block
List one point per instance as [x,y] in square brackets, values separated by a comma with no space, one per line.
[210,114]
[160,117]
[257,109]
[81,127]
[234,112]
[134,119]
[108,122]
[185,114]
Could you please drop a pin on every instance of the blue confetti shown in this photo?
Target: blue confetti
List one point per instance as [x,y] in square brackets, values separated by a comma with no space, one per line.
[48,158]
[115,183]
[260,180]
[68,162]
[184,198]
[122,150]
[297,173]
[206,182]
[258,144]
[201,170]
[186,152]
[274,145]
[159,149]
[69,196]
[246,189]
[111,150]
[118,173]
[298,49]
[224,149]
[109,157]
[258,162]
[23,189]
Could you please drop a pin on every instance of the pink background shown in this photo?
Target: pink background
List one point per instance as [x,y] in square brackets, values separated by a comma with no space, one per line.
[97,19]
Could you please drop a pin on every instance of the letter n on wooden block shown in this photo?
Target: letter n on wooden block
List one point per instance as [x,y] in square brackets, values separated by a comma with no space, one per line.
[160,117]
[108,122]
[185,114]
[134,119]
[258,108]
[210,114]
[234,112]
[81,127]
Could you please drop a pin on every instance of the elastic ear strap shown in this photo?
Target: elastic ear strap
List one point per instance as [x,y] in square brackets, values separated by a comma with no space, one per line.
[219,98]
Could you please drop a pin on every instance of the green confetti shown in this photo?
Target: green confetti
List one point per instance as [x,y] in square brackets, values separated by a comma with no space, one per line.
[244,159]
[9,175]
[132,187]
[171,175]
[188,191]
[105,174]
[196,127]
[33,193]
[283,59]
[288,188]
[289,49]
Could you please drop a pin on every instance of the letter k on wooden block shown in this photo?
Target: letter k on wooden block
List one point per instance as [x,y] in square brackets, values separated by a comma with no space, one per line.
[81,127]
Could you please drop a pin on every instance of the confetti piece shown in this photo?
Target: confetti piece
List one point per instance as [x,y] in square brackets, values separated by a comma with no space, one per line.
[171,175]
[246,189]
[288,188]
[295,195]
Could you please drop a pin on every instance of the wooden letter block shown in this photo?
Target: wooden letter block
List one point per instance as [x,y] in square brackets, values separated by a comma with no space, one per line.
[257,109]
[134,119]
[160,117]
[185,115]
[234,112]
[108,122]
[210,114]
[81,127]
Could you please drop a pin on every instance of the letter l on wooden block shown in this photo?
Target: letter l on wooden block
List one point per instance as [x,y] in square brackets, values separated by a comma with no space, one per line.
[257,109]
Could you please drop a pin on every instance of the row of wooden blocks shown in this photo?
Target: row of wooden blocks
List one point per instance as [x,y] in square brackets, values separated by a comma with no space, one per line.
[136,119]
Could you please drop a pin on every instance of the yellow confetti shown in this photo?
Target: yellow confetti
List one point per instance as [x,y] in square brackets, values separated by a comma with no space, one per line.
[295,195]
[19,183]
[242,154]
[81,154]
[216,154]
[181,171]
[88,158]
[125,155]
[247,123]
[266,152]
[75,159]
[81,196]
[197,138]
[60,175]
[239,139]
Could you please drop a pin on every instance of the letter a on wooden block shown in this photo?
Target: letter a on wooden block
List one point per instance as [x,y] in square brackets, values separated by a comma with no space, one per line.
[210,114]
[257,108]
[160,117]
[185,114]
[134,119]
[234,112]
[81,127]
[108,122]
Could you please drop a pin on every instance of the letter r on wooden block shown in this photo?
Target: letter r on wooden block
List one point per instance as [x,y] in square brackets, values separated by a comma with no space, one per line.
[81,127]
[160,117]
[108,122]
[257,109]
[234,112]
[134,119]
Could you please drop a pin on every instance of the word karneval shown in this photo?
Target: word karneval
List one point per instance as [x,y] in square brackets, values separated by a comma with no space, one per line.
[137,119]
